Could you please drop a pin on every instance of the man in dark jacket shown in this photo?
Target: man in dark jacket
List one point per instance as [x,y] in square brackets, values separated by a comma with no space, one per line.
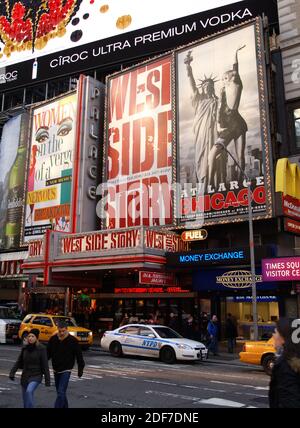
[63,349]
[231,333]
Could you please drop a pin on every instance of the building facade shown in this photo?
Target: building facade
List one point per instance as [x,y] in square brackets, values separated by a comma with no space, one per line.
[118,159]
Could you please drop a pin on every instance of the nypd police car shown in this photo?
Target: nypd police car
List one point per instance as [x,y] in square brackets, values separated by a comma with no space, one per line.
[156,341]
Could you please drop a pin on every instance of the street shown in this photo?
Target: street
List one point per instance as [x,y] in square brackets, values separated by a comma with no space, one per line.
[130,382]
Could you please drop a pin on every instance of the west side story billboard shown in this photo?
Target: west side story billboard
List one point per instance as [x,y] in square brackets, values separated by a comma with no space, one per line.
[221,98]
[46,39]
[49,182]
[138,151]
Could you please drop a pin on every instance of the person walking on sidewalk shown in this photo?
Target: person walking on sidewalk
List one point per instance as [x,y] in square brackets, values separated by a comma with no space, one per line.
[231,333]
[63,349]
[213,331]
[34,364]
[285,379]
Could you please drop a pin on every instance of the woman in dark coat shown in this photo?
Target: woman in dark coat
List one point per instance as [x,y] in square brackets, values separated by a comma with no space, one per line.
[34,364]
[285,380]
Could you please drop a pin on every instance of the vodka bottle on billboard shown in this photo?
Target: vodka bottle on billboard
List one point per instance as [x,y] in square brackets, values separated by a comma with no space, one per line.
[3,213]
[34,69]
[15,199]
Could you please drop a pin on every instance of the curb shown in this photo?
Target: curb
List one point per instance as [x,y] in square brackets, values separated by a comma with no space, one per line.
[225,362]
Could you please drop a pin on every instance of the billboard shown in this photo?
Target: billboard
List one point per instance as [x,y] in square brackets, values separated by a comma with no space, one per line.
[50,171]
[13,156]
[222,131]
[46,39]
[139,146]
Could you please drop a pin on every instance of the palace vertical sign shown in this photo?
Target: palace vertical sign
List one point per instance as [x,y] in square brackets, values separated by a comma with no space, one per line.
[139,146]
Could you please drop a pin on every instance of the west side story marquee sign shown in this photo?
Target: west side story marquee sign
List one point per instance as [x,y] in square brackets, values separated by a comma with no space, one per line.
[135,247]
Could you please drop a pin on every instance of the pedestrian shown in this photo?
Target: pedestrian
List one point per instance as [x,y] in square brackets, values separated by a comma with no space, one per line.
[63,349]
[213,331]
[173,322]
[34,364]
[188,327]
[231,333]
[125,320]
[285,379]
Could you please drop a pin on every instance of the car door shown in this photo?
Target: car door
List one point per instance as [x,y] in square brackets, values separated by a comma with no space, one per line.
[44,325]
[129,339]
[148,342]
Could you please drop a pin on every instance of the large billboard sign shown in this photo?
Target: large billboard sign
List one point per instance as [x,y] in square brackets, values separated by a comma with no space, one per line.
[50,171]
[222,130]
[46,39]
[13,158]
[139,146]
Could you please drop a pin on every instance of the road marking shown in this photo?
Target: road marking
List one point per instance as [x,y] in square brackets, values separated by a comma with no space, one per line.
[202,388]
[122,403]
[161,383]
[128,377]
[6,359]
[168,394]
[222,403]
[258,388]
[251,395]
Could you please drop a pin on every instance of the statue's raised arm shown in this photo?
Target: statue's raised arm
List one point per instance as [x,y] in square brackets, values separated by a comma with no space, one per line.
[236,59]
[188,60]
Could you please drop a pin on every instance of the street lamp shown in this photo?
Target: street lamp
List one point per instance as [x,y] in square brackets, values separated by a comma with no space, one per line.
[221,145]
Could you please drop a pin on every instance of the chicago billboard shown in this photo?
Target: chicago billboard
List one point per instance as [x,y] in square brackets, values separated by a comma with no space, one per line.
[139,146]
[222,128]
[49,182]
[13,157]
[46,39]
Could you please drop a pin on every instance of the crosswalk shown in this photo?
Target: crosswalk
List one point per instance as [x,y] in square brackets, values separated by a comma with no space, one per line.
[176,385]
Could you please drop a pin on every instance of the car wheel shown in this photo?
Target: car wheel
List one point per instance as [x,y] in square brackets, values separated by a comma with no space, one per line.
[85,347]
[116,349]
[268,364]
[167,355]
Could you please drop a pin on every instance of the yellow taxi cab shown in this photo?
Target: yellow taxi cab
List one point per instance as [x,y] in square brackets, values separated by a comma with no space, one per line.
[260,353]
[47,326]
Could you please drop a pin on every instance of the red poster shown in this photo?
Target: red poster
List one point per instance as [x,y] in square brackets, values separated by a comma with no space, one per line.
[139,147]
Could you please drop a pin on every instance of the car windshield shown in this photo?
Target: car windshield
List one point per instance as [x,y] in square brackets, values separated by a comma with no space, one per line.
[69,321]
[166,332]
[7,313]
